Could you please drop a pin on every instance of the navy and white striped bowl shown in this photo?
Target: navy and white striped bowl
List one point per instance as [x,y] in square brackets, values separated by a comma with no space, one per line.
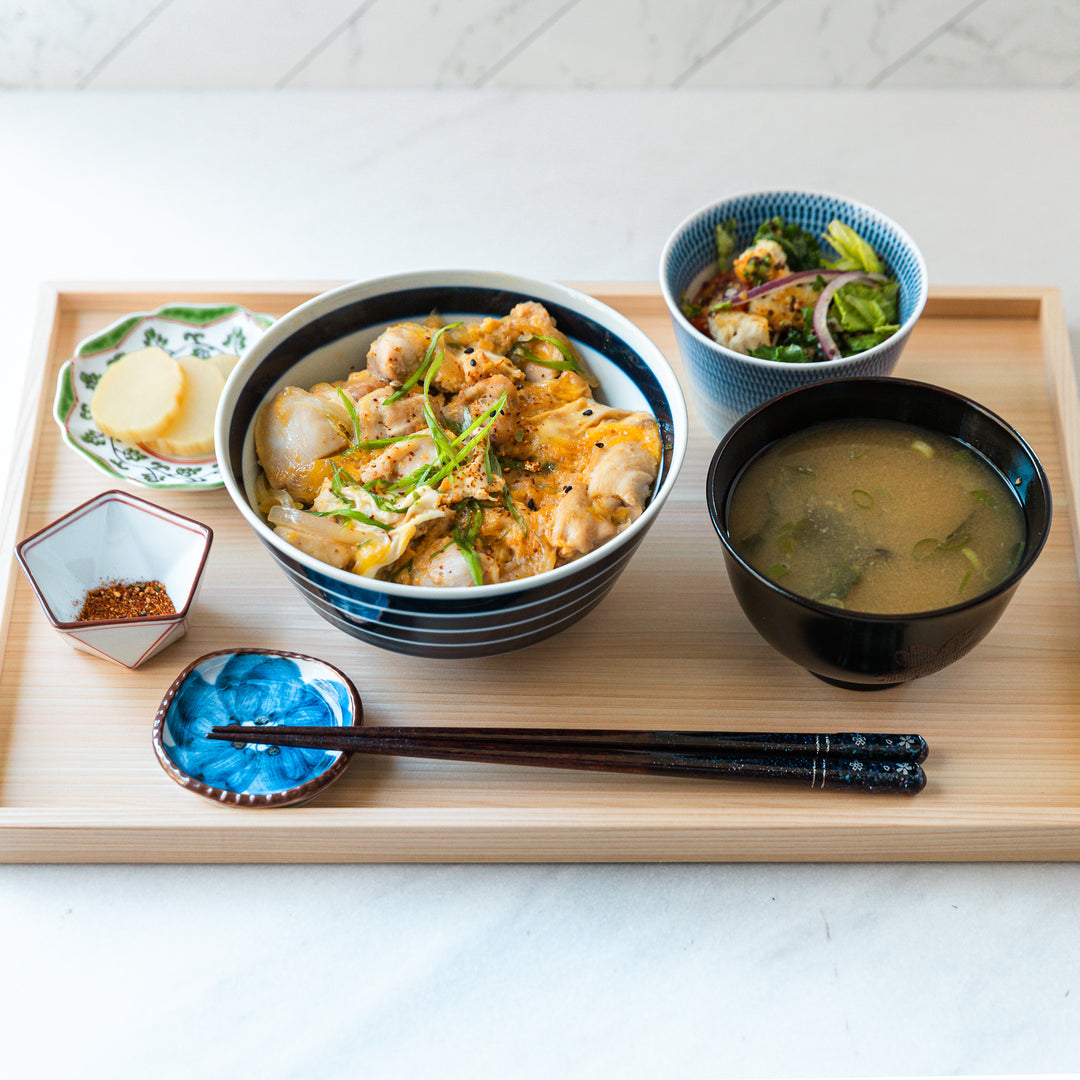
[327,337]
[727,385]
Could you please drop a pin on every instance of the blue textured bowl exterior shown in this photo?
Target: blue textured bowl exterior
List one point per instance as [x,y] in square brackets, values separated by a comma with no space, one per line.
[727,385]
[452,622]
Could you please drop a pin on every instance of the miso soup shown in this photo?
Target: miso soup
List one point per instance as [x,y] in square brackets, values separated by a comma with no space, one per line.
[876,516]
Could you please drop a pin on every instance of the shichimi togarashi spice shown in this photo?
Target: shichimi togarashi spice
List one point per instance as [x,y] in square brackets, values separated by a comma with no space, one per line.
[126,600]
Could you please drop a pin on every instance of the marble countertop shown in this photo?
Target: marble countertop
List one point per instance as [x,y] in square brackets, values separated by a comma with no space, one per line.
[524,971]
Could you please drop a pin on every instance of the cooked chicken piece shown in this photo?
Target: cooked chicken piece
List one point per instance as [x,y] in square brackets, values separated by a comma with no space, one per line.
[461,368]
[446,566]
[294,435]
[624,471]
[400,459]
[475,400]
[764,261]
[470,480]
[785,306]
[738,331]
[381,421]
[359,384]
[576,528]
[524,319]
[397,352]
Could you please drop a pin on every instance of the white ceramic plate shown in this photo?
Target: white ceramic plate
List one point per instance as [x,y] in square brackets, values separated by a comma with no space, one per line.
[181,329]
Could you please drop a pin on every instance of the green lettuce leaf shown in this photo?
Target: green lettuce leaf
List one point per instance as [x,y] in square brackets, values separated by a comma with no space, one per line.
[726,236]
[858,343]
[788,354]
[853,251]
[860,306]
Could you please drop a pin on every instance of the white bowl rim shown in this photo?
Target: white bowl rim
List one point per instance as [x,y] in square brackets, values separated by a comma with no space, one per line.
[818,365]
[565,294]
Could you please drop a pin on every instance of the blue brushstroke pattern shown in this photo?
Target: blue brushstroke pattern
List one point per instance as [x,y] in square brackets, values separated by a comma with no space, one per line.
[252,689]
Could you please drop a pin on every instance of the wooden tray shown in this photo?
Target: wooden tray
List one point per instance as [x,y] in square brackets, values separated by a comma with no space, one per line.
[668,648]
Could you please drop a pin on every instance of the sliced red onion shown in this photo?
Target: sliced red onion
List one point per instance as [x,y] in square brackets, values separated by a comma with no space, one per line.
[799,278]
[821,308]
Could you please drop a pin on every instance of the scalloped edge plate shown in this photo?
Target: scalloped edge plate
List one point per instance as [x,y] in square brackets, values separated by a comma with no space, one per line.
[181,329]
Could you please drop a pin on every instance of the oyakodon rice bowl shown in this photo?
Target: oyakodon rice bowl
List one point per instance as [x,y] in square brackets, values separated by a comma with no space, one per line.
[328,338]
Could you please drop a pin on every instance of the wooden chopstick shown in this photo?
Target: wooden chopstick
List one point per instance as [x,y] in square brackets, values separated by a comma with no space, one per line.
[845,760]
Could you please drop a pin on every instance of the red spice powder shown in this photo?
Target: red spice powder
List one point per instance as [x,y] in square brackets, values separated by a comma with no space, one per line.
[126,600]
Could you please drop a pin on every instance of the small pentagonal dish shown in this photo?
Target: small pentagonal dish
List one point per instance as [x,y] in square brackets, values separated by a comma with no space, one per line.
[118,540]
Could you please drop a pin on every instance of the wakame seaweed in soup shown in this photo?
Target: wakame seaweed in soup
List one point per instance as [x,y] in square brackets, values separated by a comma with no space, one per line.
[876,516]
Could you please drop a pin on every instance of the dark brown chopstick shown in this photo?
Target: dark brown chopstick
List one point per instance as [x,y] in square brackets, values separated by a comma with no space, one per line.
[845,760]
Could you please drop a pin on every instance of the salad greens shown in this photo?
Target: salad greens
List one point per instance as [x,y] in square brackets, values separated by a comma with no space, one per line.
[800,246]
[857,311]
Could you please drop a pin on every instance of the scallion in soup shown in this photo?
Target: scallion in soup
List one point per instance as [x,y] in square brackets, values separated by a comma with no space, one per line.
[876,516]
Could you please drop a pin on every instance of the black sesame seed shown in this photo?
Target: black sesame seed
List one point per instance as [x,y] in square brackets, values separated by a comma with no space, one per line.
[569,487]
[531,505]
[468,349]
[600,444]
[587,412]
[472,362]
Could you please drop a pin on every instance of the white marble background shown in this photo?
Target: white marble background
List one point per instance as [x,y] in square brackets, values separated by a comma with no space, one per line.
[568,44]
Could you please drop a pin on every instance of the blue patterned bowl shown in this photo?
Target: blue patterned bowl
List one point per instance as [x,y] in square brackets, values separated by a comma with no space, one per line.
[727,385]
[253,686]
[327,337]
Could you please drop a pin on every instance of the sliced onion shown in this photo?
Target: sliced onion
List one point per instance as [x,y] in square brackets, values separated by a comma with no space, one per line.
[323,528]
[798,278]
[821,308]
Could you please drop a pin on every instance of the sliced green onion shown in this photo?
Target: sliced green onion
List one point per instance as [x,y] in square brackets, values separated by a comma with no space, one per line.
[862,499]
[923,448]
[342,478]
[558,365]
[956,542]
[571,361]
[467,441]
[983,496]
[974,559]
[353,515]
[453,454]
[351,408]
[785,538]
[419,373]
[466,534]
[963,581]
[925,548]
[381,444]
[381,502]
[508,501]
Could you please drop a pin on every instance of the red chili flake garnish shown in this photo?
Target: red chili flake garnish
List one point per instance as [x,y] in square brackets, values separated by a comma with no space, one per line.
[126,600]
